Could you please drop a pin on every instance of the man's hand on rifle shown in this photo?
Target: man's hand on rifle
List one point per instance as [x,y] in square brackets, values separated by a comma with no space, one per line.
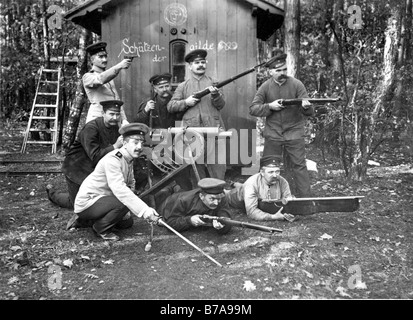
[150,105]
[151,215]
[217,225]
[276,105]
[196,221]
[305,104]
[214,91]
[191,101]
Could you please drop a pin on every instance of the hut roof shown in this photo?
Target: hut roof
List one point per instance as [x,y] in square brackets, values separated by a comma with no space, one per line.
[89,15]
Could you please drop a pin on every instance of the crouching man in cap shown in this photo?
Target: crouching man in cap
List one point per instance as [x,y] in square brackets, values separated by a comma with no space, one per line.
[97,138]
[266,184]
[98,82]
[184,210]
[105,196]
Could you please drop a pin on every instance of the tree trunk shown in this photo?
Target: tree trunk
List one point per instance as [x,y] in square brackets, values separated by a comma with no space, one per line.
[382,95]
[80,95]
[292,36]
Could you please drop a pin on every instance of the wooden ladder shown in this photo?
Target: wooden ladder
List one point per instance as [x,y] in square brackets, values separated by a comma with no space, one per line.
[45,109]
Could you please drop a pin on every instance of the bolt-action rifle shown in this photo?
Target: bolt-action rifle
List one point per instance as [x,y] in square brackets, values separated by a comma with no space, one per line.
[290,102]
[200,94]
[235,223]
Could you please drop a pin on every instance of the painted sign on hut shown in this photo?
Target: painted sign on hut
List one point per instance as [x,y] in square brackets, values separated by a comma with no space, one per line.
[161,32]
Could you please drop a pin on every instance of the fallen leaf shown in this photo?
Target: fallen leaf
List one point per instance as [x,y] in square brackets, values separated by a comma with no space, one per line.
[342,292]
[360,285]
[249,286]
[91,276]
[325,236]
[308,274]
[268,289]
[85,257]
[201,287]
[68,263]
[15,248]
[12,280]
[110,261]
[285,280]
[297,287]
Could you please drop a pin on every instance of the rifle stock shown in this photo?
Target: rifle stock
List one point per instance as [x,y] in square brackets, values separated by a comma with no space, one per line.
[290,102]
[241,224]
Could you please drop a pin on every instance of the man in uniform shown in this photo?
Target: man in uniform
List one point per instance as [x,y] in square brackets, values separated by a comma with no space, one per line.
[106,196]
[203,112]
[98,82]
[97,138]
[184,210]
[266,184]
[155,107]
[284,126]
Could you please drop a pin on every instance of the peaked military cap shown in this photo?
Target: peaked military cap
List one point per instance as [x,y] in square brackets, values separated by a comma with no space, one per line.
[280,59]
[270,161]
[96,48]
[134,129]
[111,104]
[212,185]
[191,56]
[160,78]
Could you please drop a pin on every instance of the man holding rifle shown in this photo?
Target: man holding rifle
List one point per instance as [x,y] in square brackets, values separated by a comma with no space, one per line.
[204,112]
[184,210]
[266,184]
[284,127]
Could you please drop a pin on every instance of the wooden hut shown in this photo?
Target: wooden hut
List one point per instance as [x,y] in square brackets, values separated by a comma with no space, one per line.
[161,32]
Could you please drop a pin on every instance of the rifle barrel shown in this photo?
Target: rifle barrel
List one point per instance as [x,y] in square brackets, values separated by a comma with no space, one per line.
[247,225]
[289,102]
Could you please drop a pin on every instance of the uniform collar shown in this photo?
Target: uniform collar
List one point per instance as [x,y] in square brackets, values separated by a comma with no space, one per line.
[282,83]
[97,69]
[126,154]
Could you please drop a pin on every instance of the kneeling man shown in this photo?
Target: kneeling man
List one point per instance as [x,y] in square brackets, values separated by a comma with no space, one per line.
[106,195]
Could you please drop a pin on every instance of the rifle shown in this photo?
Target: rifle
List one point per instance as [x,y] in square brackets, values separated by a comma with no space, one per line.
[200,94]
[290,102]
[241,224]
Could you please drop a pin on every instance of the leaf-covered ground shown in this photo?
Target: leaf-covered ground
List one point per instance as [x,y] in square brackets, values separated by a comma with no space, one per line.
[365,254]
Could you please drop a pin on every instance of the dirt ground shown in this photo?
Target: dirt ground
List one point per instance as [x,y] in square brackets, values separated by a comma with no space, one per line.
[365,254]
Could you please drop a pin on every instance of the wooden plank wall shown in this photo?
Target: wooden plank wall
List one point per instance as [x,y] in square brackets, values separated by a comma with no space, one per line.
[225,28]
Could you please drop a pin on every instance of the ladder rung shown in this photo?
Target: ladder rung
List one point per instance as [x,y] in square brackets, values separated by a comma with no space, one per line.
[44,118]
[48,93]
[50,70]
[39,142]
[52,130]
[45,106]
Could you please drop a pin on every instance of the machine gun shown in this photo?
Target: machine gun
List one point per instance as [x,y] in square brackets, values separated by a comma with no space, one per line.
[290,102]
[200,94]
[235,223]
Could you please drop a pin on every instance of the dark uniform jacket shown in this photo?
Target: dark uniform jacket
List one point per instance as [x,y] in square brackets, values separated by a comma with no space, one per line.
[94,141]
[178,209]
[288,123]
[161,118]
